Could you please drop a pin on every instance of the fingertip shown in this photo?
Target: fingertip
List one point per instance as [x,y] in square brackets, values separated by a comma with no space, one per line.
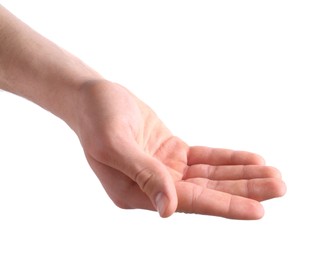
[258,212]
[272,172]
[247,209]
[243,157]
[161,202]
[255,211]
[281,188]
[257,159]
[165,206]
[273,188]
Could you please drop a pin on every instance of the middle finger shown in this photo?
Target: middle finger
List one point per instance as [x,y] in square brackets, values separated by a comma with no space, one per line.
[231,172]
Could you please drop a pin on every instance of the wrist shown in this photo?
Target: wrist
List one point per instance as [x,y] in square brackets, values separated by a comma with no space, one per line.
[67,102]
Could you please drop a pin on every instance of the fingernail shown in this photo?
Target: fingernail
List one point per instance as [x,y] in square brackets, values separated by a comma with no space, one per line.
[160,202]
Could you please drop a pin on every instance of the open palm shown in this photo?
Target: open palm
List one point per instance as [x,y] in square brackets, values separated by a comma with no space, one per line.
[142,165]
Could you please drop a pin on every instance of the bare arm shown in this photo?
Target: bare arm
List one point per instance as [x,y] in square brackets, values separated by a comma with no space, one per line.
[33,67]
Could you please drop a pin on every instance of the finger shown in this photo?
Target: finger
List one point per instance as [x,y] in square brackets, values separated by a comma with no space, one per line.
[151,175]
[153,178]
[231,172]
[256,189]
[196,199]
[218,156]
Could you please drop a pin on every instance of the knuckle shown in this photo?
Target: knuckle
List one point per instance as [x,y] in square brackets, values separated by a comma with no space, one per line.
[143,178]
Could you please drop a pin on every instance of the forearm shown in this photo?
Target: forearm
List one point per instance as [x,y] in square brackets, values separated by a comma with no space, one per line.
[33,67]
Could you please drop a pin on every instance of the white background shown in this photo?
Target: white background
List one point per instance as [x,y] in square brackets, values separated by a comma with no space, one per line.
[247,75]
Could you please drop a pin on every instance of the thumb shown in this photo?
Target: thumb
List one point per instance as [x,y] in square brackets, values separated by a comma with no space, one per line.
[153,178]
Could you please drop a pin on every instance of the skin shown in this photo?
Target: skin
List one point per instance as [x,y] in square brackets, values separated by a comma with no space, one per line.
[139,162]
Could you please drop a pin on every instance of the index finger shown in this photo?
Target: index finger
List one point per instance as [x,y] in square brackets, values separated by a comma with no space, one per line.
[219,156]
[193,198]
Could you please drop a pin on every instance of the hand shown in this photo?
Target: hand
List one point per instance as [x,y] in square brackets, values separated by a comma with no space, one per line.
[142,165]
